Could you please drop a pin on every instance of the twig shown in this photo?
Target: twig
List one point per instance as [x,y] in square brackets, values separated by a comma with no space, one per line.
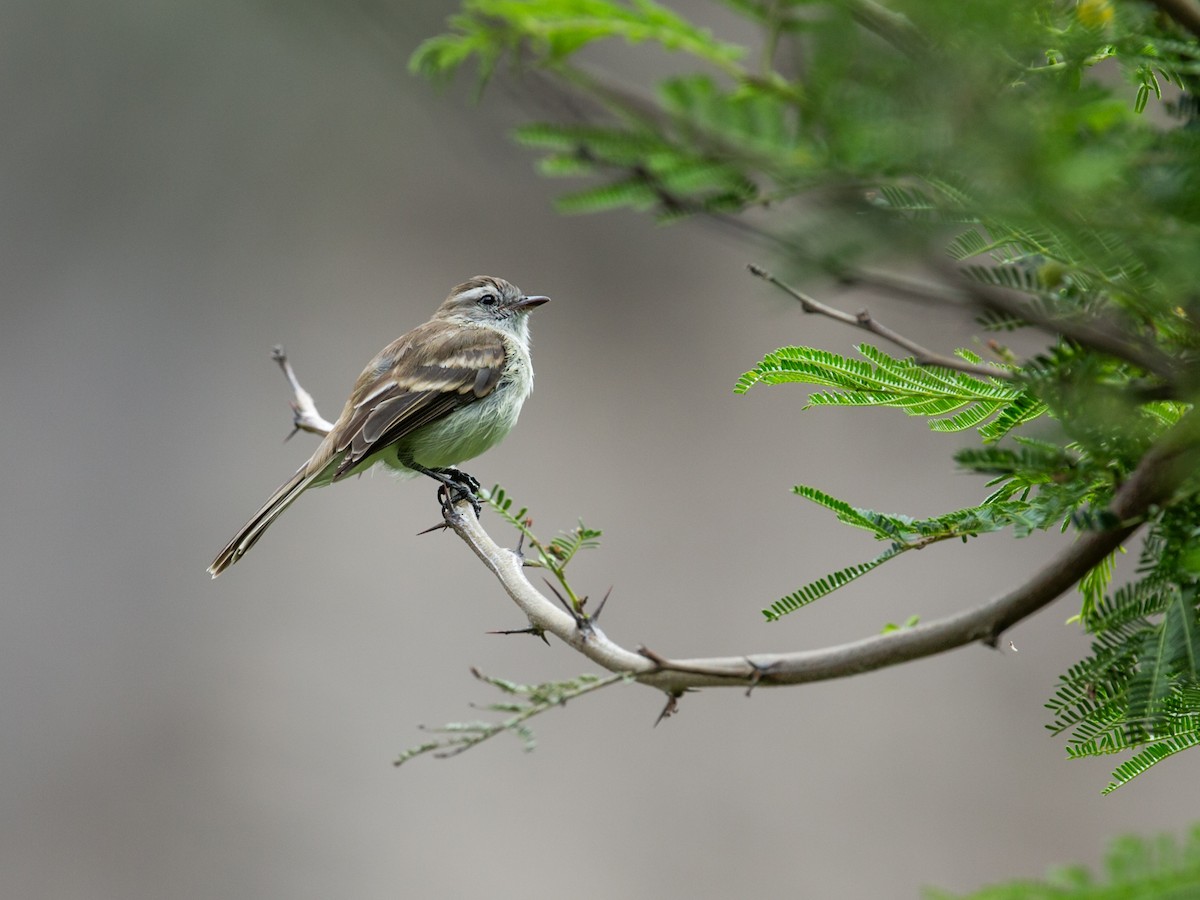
[464,736]
[304,411]
[864,320]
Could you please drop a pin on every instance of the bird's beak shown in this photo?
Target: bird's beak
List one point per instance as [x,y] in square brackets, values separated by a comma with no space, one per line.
[530,302]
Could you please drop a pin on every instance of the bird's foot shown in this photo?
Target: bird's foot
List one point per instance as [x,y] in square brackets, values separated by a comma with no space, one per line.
[463,480]
[452,492]
[455,486]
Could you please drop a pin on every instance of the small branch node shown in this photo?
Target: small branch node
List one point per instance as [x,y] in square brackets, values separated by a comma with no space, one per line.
[759,672]
[660,662]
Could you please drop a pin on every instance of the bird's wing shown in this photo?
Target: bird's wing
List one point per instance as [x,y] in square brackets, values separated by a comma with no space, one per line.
[420,378]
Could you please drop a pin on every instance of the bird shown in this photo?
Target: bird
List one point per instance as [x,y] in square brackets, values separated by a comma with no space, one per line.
[439,395]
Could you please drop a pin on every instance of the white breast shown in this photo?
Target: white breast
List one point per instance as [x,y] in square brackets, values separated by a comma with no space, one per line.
[478,426]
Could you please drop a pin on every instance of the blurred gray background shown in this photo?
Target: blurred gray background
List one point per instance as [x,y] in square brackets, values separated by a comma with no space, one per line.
[186,184]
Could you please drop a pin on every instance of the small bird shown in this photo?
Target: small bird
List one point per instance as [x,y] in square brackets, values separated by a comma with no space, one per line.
[443,393]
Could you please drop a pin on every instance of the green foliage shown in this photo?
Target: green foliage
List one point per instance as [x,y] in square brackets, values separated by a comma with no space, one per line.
[553,30]
[1134,869]
[1139,690]
[525,701]
[993,407]
[828,584]
[910,622]
[1026,500]
[850,135]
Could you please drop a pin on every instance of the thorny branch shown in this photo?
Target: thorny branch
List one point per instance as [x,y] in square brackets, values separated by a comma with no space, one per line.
[1152,483]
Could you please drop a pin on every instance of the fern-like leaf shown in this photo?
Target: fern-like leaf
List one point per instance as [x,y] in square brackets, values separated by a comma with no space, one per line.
[1151,756]
[826,585]
[953,401]
[882,526]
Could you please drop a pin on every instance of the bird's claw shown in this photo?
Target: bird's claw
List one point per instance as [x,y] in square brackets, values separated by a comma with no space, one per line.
[450,494]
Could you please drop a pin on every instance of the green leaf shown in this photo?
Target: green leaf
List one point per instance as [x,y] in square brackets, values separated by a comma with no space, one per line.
[992,406]
[826,585]
[550,31]
[882,526]
[633,192]
[1135,868]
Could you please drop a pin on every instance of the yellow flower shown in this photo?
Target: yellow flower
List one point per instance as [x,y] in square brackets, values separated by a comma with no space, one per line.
[1094,13]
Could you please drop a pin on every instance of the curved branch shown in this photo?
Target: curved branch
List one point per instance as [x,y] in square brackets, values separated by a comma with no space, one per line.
[1152,483]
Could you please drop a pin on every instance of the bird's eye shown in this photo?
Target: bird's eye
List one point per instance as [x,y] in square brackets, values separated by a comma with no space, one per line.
[488,300]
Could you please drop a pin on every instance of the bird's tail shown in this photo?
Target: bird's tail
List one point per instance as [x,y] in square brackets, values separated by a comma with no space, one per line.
[284,497]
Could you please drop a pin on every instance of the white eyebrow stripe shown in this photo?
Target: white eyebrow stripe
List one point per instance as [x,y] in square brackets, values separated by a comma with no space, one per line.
[476,293]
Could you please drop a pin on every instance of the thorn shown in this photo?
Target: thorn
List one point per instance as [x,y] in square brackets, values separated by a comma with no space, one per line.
[759,671]
[440,526]
[757,270]
[671,707]
[561,598]
[600,608]
[532,629]
[581,621]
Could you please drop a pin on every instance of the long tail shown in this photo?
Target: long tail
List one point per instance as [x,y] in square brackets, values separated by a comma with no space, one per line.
[252,530]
